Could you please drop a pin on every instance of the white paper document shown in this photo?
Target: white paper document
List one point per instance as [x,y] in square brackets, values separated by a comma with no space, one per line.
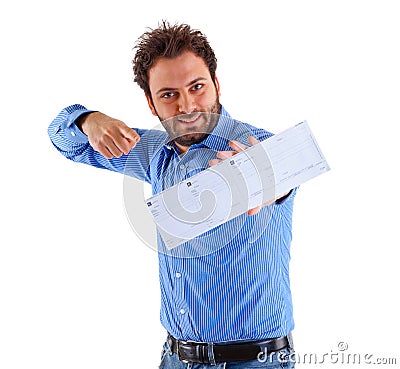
[250,178]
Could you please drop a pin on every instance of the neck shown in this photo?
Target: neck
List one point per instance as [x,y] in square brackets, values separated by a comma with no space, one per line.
[183,149]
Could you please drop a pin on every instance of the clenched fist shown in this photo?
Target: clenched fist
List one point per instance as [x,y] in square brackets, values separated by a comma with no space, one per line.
[110,137]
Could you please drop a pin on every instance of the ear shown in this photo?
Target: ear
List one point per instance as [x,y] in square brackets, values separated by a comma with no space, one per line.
[216,82]
[151,105]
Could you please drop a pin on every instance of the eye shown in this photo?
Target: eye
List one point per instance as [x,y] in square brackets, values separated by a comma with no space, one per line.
[197,87]
[168,95]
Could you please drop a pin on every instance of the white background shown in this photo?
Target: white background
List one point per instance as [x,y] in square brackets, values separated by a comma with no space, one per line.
[78,289]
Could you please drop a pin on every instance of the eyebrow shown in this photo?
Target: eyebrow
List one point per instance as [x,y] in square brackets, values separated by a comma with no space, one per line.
[187,85]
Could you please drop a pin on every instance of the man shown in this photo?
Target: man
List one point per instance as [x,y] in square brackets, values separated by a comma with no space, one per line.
[230,306]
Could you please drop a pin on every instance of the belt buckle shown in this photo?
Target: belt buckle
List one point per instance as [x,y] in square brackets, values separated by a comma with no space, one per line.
[178,344]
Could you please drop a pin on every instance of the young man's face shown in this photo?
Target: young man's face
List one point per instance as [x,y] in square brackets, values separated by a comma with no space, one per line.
[182,87]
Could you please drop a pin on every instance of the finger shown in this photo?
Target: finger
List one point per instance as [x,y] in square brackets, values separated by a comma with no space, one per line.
[225,154]
[130,134]
[112,147]
[253,141]
[237,146]
[214,162]
[254,211]
[103,150]
[128,139]
[124,145]
[106,153]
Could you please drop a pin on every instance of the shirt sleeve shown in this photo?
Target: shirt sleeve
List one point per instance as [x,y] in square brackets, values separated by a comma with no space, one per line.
[72,143]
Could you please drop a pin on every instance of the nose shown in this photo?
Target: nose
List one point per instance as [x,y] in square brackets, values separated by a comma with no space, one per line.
[186,103]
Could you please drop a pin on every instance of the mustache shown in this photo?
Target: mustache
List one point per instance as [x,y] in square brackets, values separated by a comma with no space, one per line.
[189,117]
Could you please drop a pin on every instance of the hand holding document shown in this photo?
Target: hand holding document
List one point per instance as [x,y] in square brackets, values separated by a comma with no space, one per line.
[244,181]
[238,147]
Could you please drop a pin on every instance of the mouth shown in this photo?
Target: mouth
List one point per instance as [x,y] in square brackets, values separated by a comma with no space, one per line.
[189,119]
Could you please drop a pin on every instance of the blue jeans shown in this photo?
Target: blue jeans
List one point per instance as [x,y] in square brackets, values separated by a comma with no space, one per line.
[275,360]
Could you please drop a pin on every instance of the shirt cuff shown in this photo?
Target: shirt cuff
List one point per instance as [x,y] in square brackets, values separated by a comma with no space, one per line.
[71,130]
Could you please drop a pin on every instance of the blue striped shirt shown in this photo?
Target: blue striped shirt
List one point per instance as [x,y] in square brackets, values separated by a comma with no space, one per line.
[231,283]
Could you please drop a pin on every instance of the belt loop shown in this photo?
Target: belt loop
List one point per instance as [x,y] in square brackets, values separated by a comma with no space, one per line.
[169,343]
[210,352]
[290,339]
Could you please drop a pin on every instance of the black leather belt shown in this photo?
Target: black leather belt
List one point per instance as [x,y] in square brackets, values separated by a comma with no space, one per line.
[209,353]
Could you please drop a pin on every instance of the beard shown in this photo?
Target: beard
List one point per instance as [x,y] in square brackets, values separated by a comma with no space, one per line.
[192,133]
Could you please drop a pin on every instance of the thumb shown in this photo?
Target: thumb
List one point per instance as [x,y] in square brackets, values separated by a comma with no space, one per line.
[131,134]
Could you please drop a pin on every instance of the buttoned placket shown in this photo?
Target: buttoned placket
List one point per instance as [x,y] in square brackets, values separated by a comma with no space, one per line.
[181,307]
[176,171]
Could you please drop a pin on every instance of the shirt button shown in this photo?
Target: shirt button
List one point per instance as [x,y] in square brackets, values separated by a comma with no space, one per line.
[182,311]
[178,275]
[73,134]
[182,166]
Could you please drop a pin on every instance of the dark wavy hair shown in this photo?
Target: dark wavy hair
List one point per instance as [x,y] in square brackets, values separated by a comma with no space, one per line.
[169,41]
